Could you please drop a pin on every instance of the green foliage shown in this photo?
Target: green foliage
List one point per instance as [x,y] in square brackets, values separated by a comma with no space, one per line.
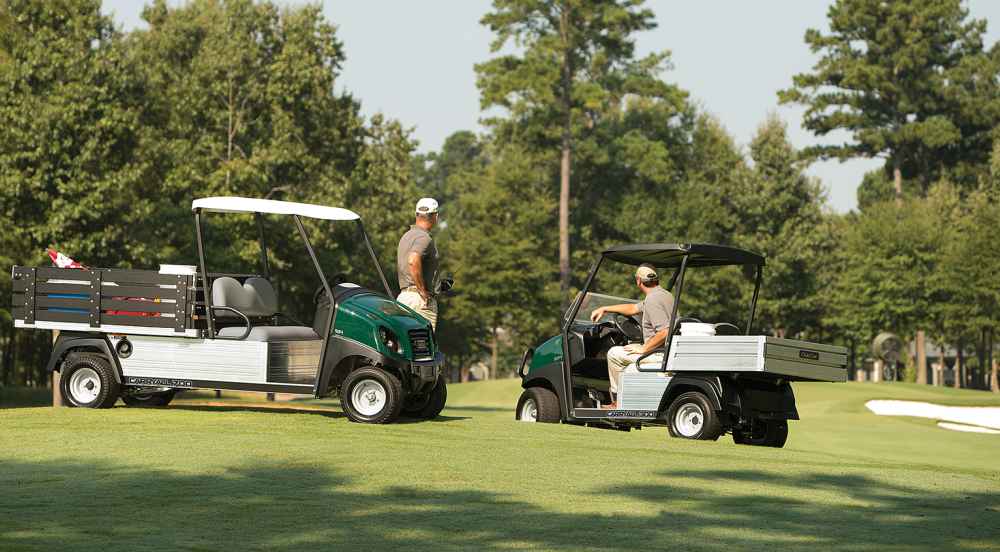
[780,217]
[909,81]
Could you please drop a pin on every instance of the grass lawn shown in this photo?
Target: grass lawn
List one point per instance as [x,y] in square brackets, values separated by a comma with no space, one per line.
[240,477]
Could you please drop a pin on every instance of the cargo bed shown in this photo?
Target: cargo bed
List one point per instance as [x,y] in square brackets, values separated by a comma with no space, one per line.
[791,359]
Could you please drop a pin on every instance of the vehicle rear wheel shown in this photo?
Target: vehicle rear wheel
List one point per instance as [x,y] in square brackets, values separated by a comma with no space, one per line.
[371,396]
[87,381]
[155,398]
[691,416]
[763,433]
[538,404]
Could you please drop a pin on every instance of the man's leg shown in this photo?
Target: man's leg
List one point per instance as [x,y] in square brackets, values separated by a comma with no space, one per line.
[618,360]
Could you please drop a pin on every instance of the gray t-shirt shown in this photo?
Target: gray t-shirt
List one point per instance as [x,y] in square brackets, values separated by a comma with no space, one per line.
[656,309]
[419,241]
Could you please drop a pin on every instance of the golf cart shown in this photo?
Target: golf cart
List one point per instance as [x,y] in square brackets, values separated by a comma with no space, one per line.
[701,384]
[143,335]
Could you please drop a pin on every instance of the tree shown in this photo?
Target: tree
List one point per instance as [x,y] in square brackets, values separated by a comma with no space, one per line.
[781,217]
[576,62]
[242,102]
[496,237]
[909,81]
[72,125]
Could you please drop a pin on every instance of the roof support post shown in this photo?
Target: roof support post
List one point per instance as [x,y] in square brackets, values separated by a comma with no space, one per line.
[263,246]
[753,302]
[378,267]
[206,286]
[333,305]
[673,314]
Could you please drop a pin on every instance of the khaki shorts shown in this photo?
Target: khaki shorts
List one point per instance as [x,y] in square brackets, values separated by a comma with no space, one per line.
[428,309]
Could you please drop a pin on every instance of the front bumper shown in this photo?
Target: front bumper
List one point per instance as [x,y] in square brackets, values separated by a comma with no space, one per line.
[427,371]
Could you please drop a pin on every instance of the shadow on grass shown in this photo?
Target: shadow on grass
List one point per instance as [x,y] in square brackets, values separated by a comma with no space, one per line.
[278,409]
[24,397]
[87,506]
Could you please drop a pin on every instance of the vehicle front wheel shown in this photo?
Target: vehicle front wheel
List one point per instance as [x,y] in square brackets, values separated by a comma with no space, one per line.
[429,405]
[538,404]
[87,381]
[763,433]
[371,396]
[155,398]
[691,416]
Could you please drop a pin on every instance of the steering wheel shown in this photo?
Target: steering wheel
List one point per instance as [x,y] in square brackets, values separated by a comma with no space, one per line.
[337,279]
[628,327]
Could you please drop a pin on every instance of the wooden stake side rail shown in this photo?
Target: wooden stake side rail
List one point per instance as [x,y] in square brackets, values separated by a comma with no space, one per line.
[96,297]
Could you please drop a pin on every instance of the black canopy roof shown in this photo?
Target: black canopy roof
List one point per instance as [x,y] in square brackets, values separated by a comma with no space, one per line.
[669,255]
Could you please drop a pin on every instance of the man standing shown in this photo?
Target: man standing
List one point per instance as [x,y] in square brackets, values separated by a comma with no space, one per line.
[417,263]
[656,309]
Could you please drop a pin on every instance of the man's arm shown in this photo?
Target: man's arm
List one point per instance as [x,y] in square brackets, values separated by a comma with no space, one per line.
[628,309]
[653,343]
[416,264]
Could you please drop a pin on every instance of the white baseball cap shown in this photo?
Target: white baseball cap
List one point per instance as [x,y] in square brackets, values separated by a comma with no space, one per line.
[646,273]
[427,206]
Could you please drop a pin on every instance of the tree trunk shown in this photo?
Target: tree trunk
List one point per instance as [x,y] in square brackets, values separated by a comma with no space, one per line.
[877,371]
[921,358]
[564,169]
[941,369]
[494,353]
[897,180]
[959,366]
[994,382]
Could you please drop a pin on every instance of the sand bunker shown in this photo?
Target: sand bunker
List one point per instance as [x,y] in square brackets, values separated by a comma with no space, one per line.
[977,419]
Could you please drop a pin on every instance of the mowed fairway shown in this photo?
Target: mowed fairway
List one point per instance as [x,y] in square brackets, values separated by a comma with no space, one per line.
[237,477]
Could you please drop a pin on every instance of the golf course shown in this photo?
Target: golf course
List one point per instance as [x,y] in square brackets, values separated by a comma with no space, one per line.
[241,474]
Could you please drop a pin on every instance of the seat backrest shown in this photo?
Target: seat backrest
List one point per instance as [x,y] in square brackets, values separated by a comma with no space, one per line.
[255,297]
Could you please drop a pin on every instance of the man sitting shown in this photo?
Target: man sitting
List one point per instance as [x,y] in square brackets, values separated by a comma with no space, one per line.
[656,309]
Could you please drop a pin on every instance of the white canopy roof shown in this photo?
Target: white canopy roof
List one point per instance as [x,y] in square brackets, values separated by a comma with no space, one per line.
[253,205]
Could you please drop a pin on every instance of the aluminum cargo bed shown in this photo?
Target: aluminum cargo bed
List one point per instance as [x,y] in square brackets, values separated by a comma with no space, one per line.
[787,358]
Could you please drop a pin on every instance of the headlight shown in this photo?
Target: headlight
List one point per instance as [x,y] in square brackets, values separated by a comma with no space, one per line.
[390,340]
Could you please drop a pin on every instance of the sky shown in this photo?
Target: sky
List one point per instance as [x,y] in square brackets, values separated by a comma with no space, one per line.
[413,61]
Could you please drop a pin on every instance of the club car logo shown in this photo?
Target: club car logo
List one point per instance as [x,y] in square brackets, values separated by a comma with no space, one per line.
[632,414]
[158,382]
[809,355]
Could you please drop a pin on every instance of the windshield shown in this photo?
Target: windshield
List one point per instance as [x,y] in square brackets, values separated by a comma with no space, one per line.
[593,301]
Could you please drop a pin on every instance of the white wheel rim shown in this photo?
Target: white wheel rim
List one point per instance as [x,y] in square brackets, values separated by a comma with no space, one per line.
[529,411]
[689,420]
[85,385]
[368,397]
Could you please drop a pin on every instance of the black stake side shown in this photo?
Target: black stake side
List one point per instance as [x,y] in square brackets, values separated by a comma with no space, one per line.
[333,304]
[753,303]
[673,313]
[206,287]
[263,245]
[378,267]
[567,396]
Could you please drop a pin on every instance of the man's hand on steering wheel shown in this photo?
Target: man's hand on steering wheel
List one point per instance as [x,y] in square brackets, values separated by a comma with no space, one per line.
[597,314]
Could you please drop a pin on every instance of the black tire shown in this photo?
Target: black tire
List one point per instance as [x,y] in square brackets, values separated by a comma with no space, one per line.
[429,405]
[158,398]
[763,433]
[88,381]
[546,406]
[704,424]
[382,385]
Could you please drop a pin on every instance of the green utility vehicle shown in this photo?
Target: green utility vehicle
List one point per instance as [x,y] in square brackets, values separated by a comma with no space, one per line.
[143,335]
[714,379]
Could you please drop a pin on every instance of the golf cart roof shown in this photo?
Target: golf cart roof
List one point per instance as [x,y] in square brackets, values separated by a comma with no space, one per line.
[234,204]
[669,255]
